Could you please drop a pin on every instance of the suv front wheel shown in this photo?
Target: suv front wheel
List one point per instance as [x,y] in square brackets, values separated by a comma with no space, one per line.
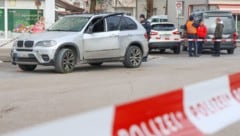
[27,67]
[65,61]
[133,57]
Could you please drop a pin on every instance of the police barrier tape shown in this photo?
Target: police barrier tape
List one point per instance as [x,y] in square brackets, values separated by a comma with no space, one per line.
[194,110]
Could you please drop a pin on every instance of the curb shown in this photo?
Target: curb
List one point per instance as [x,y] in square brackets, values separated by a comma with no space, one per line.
[196,110]
[5,54]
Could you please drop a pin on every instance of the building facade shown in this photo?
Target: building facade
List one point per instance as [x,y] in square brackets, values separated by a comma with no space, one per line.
[188,6]
[17,16]
[135,7]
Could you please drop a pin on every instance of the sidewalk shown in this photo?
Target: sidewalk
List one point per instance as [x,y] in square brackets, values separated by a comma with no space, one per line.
[5,53]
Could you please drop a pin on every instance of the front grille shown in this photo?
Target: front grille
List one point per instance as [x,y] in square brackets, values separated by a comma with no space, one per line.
[28,44]
[20,44]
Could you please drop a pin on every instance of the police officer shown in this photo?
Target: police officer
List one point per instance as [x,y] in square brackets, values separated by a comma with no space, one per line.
[218,36]
[145,24]
[191,35]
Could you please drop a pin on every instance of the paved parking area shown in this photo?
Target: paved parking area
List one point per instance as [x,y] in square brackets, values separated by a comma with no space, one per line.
[30,98]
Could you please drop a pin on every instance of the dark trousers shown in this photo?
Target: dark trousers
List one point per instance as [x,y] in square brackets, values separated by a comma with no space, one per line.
[192,45]
[200,46]
[216,48]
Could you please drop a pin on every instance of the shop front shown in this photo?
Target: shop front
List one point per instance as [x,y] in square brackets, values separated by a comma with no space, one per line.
[18,17]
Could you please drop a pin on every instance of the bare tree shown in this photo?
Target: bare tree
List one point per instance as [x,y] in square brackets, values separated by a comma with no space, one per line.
[37,4]
[149,8]
[93,4]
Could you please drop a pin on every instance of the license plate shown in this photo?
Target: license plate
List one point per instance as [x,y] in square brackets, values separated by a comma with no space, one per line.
[23,55]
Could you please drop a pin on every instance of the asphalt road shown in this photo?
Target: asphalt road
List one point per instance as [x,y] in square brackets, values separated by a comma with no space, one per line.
[30,98]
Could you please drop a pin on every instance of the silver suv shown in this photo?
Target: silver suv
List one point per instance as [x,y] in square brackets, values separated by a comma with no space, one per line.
[91,39]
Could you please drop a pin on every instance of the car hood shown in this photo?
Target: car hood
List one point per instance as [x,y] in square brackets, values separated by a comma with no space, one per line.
[47,35]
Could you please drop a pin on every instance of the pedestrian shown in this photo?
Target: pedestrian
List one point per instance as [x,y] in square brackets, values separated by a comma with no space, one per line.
[39,26]
[217,37]
[191,35]
[201,34]
[146,24]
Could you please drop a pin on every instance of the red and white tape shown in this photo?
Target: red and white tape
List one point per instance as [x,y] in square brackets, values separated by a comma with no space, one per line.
[194,110]
[212,40]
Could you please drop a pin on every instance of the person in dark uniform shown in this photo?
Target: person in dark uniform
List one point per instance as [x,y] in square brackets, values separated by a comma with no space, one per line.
[145,24]
[218,36]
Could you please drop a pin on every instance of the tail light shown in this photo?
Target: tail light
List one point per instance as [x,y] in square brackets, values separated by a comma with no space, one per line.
[154,33]
[146,36]
[176,32]
[235,35]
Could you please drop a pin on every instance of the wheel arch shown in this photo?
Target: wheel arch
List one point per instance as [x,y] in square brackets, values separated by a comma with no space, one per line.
[69,45]
[135,43]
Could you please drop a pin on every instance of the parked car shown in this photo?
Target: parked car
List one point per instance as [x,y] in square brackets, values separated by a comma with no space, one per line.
[165,36]
[158,19]
[229,30]
[92,39]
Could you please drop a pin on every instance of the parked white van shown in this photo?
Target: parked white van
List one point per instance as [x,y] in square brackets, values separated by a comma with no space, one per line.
[158,19]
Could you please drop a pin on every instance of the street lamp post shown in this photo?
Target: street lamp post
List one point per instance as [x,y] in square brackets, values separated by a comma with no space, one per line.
[207,4]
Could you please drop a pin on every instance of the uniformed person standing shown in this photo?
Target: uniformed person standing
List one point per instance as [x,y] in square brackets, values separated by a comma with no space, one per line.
[191,35]
[218,36]
[145,24]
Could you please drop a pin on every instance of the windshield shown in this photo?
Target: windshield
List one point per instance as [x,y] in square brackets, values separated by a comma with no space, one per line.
[163,27]
[69,24]
[228,23]
[159,20]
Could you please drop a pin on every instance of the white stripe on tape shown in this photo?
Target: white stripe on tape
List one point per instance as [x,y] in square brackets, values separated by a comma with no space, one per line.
[96,123]
[210,105]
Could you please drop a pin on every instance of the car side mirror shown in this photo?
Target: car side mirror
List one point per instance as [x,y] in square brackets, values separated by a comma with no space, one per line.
[90,29]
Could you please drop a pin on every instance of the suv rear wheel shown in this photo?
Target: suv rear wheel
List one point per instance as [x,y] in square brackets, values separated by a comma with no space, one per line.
[27,67]
[65,61]
[230,51]
[177,50]
[133,57]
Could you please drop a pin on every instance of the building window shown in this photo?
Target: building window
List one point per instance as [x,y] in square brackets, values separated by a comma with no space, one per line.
[1,23]
[21,20]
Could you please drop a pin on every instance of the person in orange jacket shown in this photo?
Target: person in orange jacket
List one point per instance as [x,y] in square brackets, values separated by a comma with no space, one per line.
[191,35]
[201,34]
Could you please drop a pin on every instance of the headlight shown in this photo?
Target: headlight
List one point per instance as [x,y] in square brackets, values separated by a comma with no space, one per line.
[49,43]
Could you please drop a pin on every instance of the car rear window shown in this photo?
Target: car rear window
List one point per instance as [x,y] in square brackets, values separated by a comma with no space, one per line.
[163,27]
[154,20]
[228,23]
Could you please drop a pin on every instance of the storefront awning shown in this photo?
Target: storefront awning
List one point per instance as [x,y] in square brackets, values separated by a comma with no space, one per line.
[235,9]
[68,6]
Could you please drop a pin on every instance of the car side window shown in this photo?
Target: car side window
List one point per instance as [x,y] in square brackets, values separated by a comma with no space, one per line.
[128,24]
[113,23]
[99,25]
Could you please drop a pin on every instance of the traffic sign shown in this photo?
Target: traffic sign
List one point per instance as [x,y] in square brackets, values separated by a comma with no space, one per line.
[179,5]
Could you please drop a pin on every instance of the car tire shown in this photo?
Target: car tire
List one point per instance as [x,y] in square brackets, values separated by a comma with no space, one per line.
[133,57]
[27,67]
[177,50]
[96,64]
[230,51]
[65,61]
[162,50]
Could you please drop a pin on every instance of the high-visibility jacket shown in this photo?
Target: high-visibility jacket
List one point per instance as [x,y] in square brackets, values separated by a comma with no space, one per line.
[202,31]
[190,28]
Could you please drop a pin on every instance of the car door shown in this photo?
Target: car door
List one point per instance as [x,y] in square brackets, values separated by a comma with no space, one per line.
[103,42]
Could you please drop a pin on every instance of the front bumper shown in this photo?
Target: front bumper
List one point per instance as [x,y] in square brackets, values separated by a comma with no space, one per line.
[34,56]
